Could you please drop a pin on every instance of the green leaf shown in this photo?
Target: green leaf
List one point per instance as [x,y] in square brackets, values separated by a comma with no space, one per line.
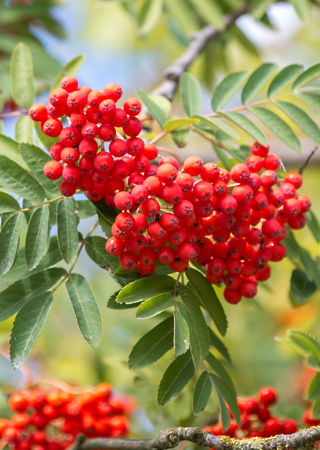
[308,344]
[174,124]
[181,334]
[153,345]
[312,223]
[209,11]
[10,149]
[208,299]
[315,412]
[67,229]
[219,345]
[21,76]
[154,306]
[192,314]
[311,97]
[15,179]
[36,158]
[246,125]
[85,308]
[313,392]
[181,136]
[20,270]
[202,393]
[228,395]
[303,8]
[221,154]
[301,287]
[218,123]
[216,365]
[308,75]
[284,78]
[226,89]
[302,119]
[37,236]
[259,8]
[224,412]
[278,127]
[112,304]
[71,68]
[27,327]
[18,294]
[175,378]
[8,203]
[157,106]
[146,288]
[86,209]
[96,250]
[1,98]
[183,15]
[9,241]
[24,129]
[149,16]
[191,94]
[257,81]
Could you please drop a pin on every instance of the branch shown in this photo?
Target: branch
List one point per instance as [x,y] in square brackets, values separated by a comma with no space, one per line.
[199,40]
[171,437]
[304,165]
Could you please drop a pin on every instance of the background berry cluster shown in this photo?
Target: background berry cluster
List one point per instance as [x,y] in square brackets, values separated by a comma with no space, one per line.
[231,223]
[258,421]
[51,420]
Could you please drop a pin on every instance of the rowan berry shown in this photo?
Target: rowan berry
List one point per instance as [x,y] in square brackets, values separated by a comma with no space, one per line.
[259,150]
[193,165]
[70,155]
[107,132]
[58,97]
[112,91]
[155,230]
[232,296]
[70,136]
[154,185]
[71,173]
[133,127]
[38,112]
[305,202]
[147,256]
[69,83]
[52,127]
[166,255]
[53,170]
[171,193]
[78,119]
[150,151]
[272,162]
[123,200]
[255,163]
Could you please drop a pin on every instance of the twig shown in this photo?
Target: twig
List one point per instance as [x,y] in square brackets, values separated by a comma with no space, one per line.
[304,165]
[14,113]
[199,41]
[171,437]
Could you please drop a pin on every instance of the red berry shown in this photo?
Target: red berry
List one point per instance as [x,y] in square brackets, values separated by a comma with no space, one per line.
[259,150]
[38,112]
[69,83]
[53,170]
[193,165]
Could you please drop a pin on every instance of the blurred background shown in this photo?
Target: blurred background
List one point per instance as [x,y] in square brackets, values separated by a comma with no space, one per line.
[131,42]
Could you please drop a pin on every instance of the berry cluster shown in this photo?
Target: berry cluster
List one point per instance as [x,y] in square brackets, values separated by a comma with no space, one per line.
[230,222]
[51,420]
[258,421]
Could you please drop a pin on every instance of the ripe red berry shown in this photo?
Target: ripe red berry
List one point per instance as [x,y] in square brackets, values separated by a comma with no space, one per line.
[53,170]
[38,112]
[193,165]
[52,127]
[259,150]
[69,83]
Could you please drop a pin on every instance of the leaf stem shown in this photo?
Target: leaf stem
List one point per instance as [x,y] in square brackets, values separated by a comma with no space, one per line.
[14,113]
[34,206]
[159,137]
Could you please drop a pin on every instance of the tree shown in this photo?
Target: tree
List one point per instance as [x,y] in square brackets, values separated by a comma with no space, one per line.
[180,289]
